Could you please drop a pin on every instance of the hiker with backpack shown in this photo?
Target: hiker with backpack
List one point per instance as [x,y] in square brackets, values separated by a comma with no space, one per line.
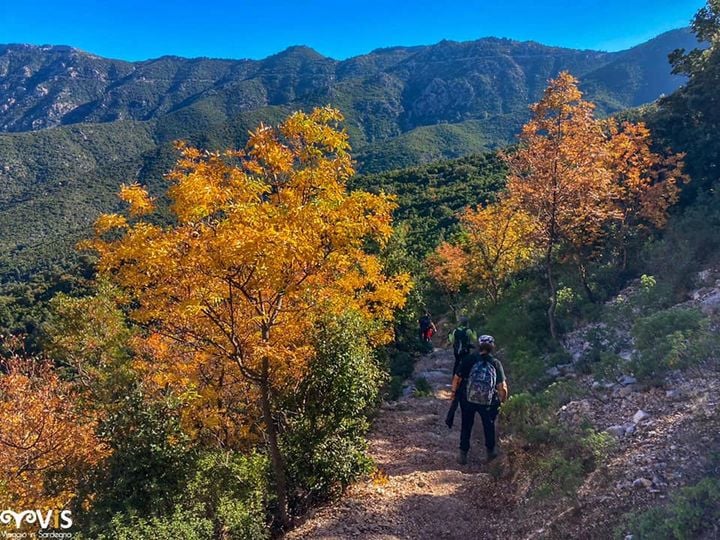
[480,387]
[427,327]
[461,339]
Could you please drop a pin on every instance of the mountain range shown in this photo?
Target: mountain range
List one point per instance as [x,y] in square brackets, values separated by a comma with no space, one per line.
[74,125]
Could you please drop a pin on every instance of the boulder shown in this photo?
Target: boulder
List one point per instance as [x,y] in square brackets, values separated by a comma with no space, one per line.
[617,431]
[640,416]
[642,483]
[553,372]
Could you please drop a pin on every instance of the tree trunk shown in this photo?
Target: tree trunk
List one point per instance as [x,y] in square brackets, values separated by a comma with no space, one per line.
[584,278]
[623,265]
[276,458]
[553,293]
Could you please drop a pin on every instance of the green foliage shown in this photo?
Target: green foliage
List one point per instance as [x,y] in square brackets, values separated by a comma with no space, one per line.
[179,525]
[232,489]
[422,387]
[430,196]
[532,417]
[558,475]
[324,439]
[562,454]
[647,283]
[599,444]
[157,483]
[674,338]
[519,325]
[687,120]
[690,243]
[437,142]
[90,338]
[151,460]
[693,511]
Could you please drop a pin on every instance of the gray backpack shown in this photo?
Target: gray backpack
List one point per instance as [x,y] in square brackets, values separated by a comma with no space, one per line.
[482,382]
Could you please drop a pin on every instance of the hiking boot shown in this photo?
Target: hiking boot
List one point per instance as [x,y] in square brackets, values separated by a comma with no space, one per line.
[462,457]
[492,453]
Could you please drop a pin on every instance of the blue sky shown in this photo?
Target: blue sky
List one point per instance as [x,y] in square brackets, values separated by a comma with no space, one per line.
[137,30]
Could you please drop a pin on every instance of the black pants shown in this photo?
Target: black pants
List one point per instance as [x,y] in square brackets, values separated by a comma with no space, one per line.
[488,415]
[458,360]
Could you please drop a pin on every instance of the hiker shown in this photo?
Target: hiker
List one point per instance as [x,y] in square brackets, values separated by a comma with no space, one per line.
[480,386]
[427,327]
[462,339]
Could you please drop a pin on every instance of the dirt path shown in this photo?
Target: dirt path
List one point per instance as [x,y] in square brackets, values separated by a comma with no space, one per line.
[425,493]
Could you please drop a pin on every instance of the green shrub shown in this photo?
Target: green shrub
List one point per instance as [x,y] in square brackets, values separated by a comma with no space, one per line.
[324,438]
[532,417]
[675,338]
[598,444]
[232,489]
[524,365]
[691,512]
[151,461]
[179,525]
[559,475]
[690,243]
[400,365]
[394,388]
[562,455]
[422,387]
[609,366]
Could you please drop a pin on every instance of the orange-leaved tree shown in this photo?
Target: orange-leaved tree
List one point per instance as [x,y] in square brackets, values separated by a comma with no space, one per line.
[447,265]
[46,443]
[494,245]
[645,183]
[264,242]
[559,175]
[577,176]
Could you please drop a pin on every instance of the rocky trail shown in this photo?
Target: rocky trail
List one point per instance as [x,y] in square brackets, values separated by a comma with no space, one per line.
[665,440]
[420,490]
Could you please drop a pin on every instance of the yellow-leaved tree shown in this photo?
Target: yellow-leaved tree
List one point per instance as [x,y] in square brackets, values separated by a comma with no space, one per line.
[494,245]
[498,245]
[264,242]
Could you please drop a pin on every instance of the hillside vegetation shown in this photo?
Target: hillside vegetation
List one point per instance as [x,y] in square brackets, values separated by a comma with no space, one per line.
[78,124]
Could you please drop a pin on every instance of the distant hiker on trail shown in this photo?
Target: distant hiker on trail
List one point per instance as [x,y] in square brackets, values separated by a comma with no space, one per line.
[480,386]
[427,327]
[462,339]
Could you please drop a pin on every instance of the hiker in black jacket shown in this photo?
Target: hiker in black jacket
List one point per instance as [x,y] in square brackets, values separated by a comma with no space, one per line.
[480,386]
[462,340]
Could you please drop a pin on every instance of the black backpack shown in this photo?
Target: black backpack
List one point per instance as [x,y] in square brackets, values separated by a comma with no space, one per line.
[461,340]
